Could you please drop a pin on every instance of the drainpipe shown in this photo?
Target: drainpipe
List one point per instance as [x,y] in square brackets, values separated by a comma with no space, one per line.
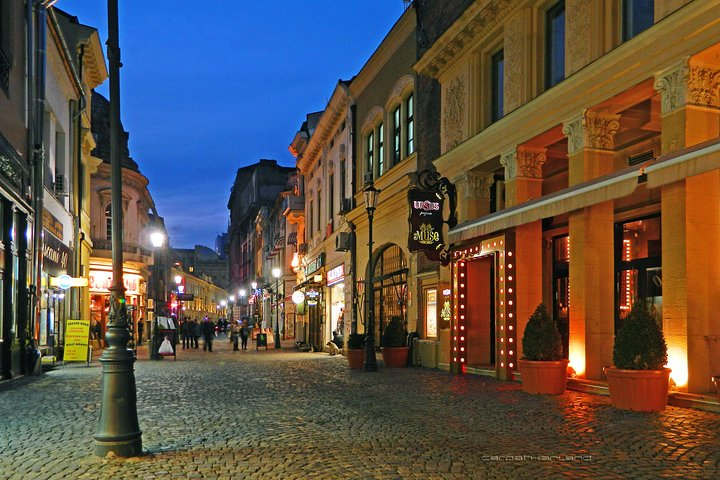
[37,17]
[78,236]
[353,243]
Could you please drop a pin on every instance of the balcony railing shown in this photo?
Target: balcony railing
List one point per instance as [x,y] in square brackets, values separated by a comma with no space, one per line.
[127,247]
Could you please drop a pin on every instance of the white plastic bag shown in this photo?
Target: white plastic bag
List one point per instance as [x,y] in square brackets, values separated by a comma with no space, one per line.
[166,348]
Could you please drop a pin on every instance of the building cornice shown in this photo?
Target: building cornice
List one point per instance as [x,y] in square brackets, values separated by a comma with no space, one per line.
[390,44]
[464,35]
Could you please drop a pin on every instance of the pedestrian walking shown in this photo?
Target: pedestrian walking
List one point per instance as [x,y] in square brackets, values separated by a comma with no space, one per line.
[185,333]
[244,334]
[208,330]
[141,327]
[235,335]
[196,332]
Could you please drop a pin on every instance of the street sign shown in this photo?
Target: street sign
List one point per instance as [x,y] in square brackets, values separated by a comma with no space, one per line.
[185,297]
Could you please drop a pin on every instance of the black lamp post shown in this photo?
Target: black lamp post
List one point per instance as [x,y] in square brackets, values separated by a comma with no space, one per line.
[118,429]
[277,273]
[371,195]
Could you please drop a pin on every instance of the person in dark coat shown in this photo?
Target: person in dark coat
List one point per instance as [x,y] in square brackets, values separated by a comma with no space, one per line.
[208,330]
[141,326]
[244,334]
[196,332]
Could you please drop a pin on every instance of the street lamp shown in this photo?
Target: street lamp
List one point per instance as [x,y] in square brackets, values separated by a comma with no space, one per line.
[276,273]
[118,430]
[157,239]
[242,292]
[254,286]
[371,196]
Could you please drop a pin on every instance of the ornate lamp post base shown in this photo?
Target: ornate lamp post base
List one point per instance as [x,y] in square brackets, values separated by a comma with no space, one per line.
[118,430]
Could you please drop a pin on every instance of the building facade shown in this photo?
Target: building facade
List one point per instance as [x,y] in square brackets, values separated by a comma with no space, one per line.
[585,148]
[137,226]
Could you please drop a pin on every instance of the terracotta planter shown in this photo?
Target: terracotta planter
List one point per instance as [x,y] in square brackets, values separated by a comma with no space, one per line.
[356,357]
[547,377]
[395,357]
[639,390]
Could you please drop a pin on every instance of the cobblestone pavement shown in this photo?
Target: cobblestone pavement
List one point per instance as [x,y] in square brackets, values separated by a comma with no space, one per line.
[286,414]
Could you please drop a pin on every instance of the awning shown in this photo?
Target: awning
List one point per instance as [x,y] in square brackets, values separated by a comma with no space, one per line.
[665,169]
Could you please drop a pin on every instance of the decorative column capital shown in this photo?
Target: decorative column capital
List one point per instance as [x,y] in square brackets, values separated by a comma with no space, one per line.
[591,129]
[478,185]
[530,161]
[600,129]
[704,85]
[508,160]
[574,131]
[672,86]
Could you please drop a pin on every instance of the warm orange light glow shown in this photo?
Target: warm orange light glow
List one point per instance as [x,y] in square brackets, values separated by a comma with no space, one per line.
[677,361]
[577,356]
[295,262]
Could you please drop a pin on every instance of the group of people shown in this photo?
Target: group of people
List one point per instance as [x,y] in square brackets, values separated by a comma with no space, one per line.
[191,330]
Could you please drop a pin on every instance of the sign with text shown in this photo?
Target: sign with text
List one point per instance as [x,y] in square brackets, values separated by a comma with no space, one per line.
[335,275]
[426,220]
[77,335]
[55,255]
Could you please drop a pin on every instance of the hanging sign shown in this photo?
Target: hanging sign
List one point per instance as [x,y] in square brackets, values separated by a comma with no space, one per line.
[426,202]
[426,220]
[315,265]
[55,255]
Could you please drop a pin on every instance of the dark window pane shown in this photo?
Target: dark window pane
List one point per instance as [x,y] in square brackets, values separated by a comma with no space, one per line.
[637,16]
[555,45]
[498,79]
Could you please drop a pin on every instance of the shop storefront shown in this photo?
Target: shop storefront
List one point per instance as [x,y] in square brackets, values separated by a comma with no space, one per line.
[54,303]
[135,297]
[335,283]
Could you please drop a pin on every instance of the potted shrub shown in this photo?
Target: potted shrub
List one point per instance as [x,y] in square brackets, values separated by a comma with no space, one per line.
[356,350]
[394,344]
[639,380]
[543,368]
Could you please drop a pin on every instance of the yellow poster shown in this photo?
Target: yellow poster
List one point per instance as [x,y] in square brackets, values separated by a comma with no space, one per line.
[77,334]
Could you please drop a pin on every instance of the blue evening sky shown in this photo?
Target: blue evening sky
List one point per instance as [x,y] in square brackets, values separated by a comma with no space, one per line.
[208,86]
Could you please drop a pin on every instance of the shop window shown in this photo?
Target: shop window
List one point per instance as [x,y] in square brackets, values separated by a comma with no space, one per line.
[561,289]
[555,44]
[431,313]
[637,16]
[638,260]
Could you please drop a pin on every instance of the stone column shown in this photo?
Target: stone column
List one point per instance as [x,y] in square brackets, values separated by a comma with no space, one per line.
[592,312]
[690,211]
[474,195]
[523,182]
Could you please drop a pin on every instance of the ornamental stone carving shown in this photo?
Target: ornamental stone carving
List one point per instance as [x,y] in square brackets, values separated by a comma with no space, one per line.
[509,161]
[592,129]
[454,114]
[574,131]
[478,184]
[513,56]
[580,34]
[672,85]
[530,161]
[600,129]
[704,86]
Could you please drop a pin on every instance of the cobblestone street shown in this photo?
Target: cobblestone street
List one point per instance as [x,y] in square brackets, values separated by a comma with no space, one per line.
[286,414]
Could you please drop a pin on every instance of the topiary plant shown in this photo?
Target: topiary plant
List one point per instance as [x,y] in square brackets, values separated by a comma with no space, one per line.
[640,343]
[395,334]
[541,340]
[356,341]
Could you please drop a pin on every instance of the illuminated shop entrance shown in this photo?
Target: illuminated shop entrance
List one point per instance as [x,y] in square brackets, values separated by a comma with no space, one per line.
[638,266]
[561,289]
[390,287]
[483,323]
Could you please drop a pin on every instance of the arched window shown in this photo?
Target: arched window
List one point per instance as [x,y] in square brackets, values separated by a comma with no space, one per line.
[108,222]
[390,287]
[401,105]
[373,134]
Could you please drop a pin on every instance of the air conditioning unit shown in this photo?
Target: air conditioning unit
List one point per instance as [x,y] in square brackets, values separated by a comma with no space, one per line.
[60,186]
[346,205]
[343,242]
